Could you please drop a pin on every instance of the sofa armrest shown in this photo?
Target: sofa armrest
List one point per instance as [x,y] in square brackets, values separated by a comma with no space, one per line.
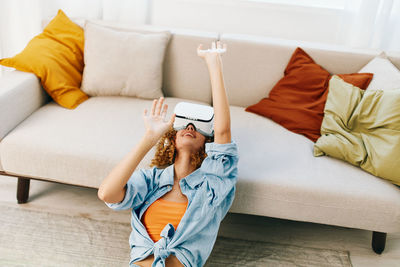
[20,95]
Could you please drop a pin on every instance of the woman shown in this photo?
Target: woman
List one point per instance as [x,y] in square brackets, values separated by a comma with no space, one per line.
[191,195]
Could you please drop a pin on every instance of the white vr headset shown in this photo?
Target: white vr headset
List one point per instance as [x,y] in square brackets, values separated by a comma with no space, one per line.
[201,116]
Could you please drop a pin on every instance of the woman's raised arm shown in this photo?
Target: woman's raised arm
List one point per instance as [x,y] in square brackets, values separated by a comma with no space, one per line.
[222,119]
[112,189]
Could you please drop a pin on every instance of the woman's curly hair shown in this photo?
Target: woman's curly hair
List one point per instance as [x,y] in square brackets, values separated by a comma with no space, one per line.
[166,151]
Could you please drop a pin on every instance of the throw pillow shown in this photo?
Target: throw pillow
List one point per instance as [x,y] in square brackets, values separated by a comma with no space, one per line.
[362,128]
[386,75]
[297,101]
[123,63]
[56,57]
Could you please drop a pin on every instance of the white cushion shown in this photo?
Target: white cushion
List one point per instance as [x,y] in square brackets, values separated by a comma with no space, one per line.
[278,176]
[386,75]
[123,63]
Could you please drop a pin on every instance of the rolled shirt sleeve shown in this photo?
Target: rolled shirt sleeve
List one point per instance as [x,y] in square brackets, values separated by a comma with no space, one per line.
[220,170]
[138,186]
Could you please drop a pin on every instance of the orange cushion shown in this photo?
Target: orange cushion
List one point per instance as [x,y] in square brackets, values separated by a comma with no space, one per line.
[297,101]
[56,57]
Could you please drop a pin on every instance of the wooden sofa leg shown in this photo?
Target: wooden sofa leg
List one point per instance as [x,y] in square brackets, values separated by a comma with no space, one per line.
[23,190]
[378,241]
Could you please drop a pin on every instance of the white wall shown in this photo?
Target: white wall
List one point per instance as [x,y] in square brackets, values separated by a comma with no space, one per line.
[250,17]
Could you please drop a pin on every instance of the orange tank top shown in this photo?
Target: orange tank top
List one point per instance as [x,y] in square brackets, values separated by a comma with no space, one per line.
[160,213]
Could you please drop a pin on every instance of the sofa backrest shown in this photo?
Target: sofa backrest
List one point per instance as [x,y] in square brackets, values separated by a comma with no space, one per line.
[185,73]
[394,57]
[252,65]
[255,64]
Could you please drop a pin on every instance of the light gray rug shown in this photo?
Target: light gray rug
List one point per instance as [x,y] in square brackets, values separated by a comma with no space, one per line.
[31,238]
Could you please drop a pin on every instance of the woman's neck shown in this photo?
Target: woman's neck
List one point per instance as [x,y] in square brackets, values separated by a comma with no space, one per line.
[182,165]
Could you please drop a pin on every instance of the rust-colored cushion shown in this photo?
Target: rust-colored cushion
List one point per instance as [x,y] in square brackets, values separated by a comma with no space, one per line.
[297,101]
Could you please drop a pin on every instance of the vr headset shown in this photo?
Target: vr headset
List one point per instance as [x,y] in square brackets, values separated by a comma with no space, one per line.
[201,116]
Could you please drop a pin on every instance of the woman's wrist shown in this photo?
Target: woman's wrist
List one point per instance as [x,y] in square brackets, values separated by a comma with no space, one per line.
[214,63]
[214,66]
[150,138]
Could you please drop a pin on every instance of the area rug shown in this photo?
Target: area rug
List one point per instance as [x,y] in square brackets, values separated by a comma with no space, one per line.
[32,238]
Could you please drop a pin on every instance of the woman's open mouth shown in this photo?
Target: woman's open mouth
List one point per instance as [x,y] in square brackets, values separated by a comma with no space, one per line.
[188,134]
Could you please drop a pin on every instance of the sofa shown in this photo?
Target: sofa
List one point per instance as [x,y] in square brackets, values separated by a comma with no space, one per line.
[278,175]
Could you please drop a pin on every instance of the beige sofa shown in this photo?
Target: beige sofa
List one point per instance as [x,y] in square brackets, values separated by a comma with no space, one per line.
[278,174]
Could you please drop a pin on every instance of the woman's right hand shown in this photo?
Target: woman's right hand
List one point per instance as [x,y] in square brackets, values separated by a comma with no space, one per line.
[112,189]
[155,123]
[212,56]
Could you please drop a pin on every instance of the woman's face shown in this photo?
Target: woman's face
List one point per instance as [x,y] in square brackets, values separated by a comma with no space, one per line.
[189,139]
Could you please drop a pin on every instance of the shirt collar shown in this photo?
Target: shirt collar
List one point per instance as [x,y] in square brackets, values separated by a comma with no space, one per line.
[167,177]
[193,179]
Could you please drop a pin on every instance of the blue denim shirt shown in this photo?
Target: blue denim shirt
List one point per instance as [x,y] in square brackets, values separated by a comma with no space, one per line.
[210,191]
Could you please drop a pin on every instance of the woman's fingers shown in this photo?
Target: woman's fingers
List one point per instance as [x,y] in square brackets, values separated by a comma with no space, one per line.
[217,46]
[171,121]
[159,105]
[199,50]
[164,111]
[156,107]
[153,107]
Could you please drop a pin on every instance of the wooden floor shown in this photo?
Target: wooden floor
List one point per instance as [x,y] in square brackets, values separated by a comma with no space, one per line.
[79,201]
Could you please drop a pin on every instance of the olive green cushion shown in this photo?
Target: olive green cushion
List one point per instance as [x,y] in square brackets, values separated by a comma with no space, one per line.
[363,128]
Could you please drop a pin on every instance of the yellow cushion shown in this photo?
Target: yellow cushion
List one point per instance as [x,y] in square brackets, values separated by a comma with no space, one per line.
[56,57]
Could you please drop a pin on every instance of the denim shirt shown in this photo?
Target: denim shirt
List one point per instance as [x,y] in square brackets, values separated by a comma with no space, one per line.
[210,190]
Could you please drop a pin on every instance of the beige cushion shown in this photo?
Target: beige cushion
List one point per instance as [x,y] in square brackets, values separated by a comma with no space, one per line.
[79,146]
[121,63]
[394,57]
[185,75]
[279,177]
[254,64]
[386,75]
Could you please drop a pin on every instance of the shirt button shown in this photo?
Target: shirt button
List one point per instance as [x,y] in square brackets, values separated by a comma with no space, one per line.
[147,202]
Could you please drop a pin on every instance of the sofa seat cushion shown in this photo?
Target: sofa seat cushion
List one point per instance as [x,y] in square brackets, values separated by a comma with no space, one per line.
[79,146]
[278,174]
[280,177]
